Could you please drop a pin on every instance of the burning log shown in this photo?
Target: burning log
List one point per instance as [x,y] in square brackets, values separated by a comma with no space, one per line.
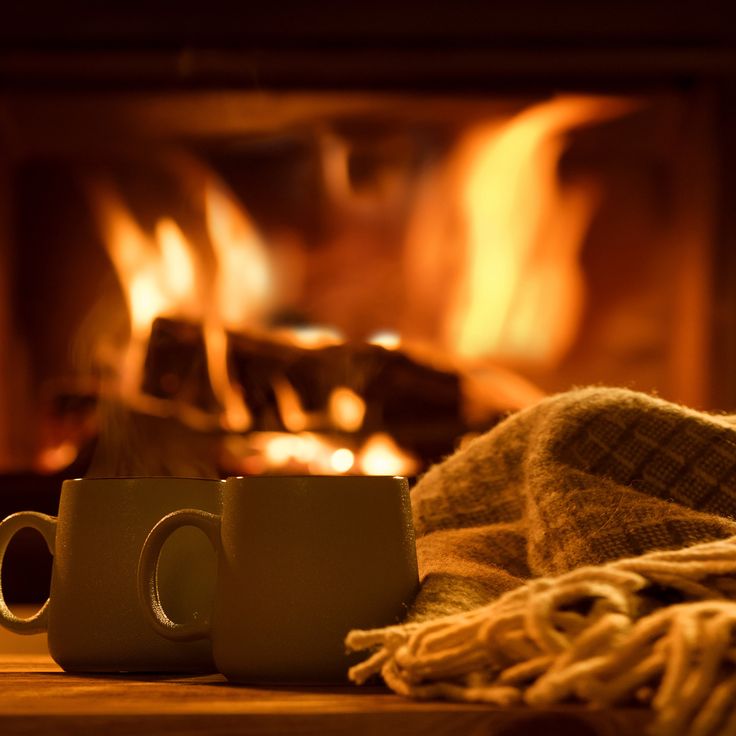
[175,367]
[418,405]
[289,388]
[396,388]
[331,408]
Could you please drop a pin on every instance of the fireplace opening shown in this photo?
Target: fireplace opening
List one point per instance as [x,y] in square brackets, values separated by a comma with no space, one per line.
[349,242]
[352,283]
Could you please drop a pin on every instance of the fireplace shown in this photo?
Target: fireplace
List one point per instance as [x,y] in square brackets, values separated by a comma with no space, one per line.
[350,245]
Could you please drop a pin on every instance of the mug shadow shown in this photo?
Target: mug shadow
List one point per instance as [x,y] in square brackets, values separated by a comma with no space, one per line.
[216,680]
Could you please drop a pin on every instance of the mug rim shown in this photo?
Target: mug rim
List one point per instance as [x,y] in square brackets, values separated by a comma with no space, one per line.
[144,477]
[316,476]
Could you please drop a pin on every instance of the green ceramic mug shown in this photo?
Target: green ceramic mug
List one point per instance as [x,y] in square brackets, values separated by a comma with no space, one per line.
[92,616]
[301,561]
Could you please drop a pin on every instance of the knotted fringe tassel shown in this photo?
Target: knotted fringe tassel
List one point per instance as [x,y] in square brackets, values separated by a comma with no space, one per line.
[594,635]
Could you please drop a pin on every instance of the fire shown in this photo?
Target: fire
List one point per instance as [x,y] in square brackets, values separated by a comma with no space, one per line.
[292,414]
[319,454]
[282,449]
[514,294]
[518,294]
[55,458]
[177,261]
[244,282]
[310,337]
[156,274]
[346,409]
[285,452]
[387,339]
[237,417]
[159,277]
[342,460]
[243,290]
[162,275]
[382,456]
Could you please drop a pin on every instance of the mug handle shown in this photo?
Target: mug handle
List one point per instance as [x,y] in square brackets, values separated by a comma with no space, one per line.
[148,592]
[46,525]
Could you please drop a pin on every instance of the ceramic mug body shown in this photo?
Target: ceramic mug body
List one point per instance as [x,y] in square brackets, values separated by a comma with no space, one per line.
[92,616]
[301,561]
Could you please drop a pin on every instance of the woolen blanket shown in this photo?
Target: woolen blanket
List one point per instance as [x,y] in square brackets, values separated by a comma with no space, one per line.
[584,549]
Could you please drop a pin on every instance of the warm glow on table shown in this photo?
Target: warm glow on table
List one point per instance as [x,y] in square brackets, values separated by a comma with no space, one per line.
[37,698]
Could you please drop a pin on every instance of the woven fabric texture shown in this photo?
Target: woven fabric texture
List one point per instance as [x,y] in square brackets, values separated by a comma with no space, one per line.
[582,478]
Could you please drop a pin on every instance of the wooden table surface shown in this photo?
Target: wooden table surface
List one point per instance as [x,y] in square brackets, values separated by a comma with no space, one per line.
[36,697]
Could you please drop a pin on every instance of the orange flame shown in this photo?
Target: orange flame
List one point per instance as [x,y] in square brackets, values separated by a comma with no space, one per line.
[387,339]
[342,460]
[243,289]
[310,337]
[346,409]
[177,261]
[57,457]
[292,414]
[156,274]
[302,452]
[309,452]
[236,414]
[519,292]
[159,277]
[380,455]
[244,281]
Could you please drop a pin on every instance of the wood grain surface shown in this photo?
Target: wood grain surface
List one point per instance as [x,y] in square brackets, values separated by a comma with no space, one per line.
[36,698]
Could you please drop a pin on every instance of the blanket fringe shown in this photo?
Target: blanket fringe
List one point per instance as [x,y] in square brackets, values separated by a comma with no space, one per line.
[600,635]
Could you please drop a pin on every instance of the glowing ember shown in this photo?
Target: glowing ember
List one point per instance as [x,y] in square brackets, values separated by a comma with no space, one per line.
[346,409]
[310,336]
[292,414]
[309,452]
[385,339]
[53,459]
[382,456]
[342,460]
[293,453]
[282,448]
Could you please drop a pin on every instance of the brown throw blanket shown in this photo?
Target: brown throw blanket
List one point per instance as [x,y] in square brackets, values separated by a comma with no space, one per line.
[585,550]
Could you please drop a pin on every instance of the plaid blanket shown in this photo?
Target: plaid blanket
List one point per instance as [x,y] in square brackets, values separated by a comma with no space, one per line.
[581,481]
